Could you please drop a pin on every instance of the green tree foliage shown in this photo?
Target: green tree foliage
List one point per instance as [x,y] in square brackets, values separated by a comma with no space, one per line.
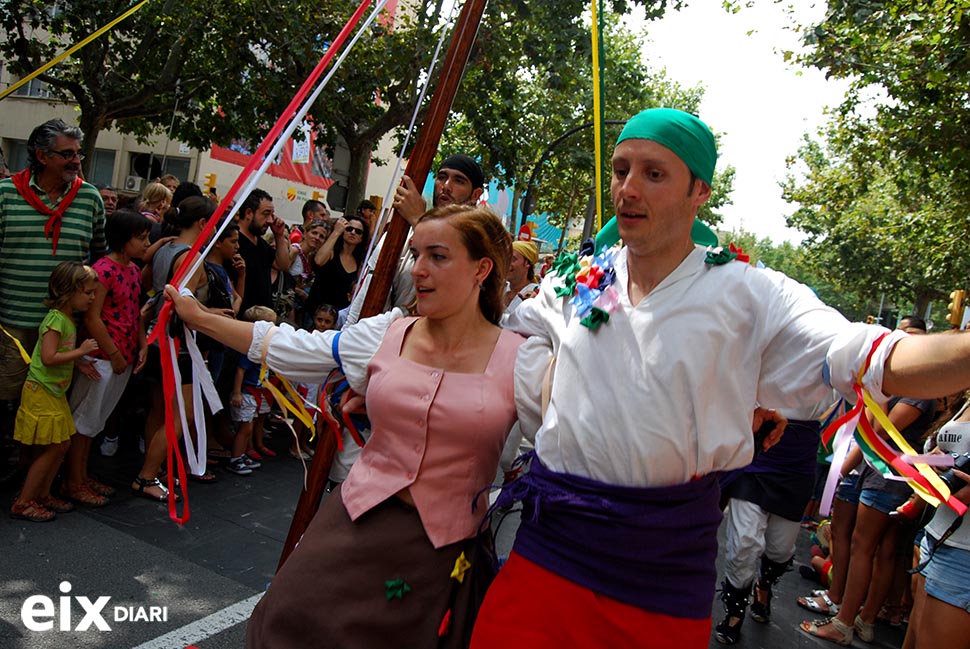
[224,69]
[884,199]
[193,53]
[870,231]
[912,58]
[522,96]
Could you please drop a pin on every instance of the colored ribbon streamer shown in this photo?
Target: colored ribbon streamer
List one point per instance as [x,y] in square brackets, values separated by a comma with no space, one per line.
[20,348]
[292,115]
[60,57]
[908,464]
[597,112]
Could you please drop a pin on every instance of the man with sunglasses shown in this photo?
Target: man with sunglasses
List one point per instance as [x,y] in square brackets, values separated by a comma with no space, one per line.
[48,215]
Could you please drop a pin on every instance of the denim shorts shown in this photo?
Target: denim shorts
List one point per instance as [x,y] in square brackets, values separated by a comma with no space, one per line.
[849,489]
[882,501]
[947,574]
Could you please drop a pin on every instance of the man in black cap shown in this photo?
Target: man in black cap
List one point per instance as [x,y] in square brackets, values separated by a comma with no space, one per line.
[459,181]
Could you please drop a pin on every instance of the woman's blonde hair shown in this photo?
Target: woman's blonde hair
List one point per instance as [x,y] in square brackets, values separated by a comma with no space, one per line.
[483,235]
[66,280]
[154,194]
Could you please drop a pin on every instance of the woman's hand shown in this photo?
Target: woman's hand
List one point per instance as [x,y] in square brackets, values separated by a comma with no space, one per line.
[142,357]
[338,227]
[188,308]
[239,264]
[118,362]
[86,367]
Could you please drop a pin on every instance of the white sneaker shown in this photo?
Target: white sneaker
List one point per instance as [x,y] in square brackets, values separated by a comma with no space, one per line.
[109,446]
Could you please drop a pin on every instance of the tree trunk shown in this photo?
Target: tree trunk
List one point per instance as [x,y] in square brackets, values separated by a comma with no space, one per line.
[360,151]
[923,300]
[91,124]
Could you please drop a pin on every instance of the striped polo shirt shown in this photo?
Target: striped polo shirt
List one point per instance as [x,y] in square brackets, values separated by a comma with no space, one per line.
[26,257]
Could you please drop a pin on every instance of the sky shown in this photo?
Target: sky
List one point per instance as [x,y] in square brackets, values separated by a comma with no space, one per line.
[760,105]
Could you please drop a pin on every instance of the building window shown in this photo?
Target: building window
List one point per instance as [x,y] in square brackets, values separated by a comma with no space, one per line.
[102,169]
[34,88]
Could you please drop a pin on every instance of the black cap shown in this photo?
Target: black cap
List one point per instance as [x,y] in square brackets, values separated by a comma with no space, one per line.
[466,165]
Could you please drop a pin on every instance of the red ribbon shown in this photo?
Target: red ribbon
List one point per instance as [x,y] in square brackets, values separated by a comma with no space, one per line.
[52,229]
[740,253]
[159,331]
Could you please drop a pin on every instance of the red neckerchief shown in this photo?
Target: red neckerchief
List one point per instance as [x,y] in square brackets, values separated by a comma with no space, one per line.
[52,229]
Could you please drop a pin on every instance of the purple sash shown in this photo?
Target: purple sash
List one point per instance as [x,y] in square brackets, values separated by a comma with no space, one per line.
[653,548]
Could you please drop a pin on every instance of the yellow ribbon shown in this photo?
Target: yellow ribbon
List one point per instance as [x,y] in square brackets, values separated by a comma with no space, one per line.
[906,449]
[293,404]
[60,57]
[597,118]
[23,352]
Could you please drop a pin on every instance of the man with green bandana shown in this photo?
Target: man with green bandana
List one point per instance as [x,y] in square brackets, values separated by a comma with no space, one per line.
[662,349]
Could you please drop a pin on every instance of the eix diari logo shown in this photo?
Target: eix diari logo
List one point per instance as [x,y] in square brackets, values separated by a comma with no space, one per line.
[39,612]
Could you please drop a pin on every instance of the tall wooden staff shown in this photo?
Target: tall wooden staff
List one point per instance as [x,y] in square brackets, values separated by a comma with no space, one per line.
[419,164]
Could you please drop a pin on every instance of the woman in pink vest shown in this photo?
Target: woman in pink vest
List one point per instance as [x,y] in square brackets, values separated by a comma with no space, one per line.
[385,559]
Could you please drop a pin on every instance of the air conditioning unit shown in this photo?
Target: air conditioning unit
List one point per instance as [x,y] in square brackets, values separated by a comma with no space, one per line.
[133,183]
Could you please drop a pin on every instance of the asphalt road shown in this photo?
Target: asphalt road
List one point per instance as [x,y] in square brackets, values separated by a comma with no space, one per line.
[209,573]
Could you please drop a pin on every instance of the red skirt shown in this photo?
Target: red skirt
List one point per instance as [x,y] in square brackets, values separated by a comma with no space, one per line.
[529,606]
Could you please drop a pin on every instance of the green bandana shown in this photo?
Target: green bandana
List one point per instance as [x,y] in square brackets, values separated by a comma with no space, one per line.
[681,132]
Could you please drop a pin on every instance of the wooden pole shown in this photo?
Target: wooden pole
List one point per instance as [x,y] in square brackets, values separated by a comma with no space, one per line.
[419,164]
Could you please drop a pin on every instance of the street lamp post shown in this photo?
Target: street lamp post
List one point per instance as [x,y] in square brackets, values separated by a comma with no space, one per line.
[529,203]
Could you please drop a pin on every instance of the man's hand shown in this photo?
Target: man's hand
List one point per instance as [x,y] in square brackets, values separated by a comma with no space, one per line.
[408,201]
[278,227]
[765,415]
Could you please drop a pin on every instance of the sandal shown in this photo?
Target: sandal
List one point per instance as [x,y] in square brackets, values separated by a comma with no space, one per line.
[813,604]
[31,511]
[206,478]
[865,630]
[55,504]
[84,495]
[100,488]
[140,484]
[845,632]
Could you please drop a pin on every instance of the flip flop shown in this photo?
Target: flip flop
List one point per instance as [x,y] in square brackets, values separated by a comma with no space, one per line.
[206,478]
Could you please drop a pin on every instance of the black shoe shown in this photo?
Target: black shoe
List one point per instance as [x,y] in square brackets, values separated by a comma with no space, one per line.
[727,634]
[760,613]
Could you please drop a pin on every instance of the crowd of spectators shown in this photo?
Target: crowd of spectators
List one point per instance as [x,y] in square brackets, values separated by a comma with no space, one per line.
[117,252]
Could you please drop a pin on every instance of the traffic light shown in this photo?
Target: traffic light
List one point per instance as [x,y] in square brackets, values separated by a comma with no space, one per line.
[955,307]
[210,181]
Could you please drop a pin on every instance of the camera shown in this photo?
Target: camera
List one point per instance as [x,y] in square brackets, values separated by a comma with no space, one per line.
[961,462]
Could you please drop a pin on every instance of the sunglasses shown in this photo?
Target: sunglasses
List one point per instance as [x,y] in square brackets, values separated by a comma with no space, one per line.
[68,154]
[354,230]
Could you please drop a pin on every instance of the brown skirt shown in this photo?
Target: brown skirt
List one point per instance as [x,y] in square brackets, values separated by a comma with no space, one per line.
[332,592]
